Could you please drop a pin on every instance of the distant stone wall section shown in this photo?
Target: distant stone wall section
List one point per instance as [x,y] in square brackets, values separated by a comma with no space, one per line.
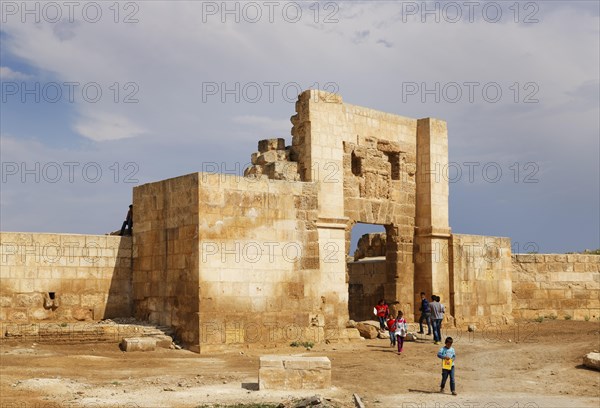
[480,271]
[564,286]
[64,277]
[480,280]
[366,286]
[370,245]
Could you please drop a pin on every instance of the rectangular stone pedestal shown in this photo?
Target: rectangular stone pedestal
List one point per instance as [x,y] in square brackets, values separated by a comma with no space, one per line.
[294,373]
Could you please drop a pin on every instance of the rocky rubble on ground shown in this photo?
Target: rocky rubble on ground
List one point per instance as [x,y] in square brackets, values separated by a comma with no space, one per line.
[369,329]
[311,402]
[592,360]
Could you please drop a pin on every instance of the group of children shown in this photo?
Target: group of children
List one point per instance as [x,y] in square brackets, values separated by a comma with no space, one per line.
[398,329]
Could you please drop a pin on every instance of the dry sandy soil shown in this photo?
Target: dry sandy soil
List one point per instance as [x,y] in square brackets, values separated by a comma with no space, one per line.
[528,365]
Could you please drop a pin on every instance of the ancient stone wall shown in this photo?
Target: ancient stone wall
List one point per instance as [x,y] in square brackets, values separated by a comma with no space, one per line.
[366,163]
[260,281]
[556,286]
[367,279]
[165,263]
[64,277]
[480,279]
[235,260]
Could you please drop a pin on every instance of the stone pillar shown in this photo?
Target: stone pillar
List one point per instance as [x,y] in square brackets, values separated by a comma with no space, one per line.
[318,134]
[432,232]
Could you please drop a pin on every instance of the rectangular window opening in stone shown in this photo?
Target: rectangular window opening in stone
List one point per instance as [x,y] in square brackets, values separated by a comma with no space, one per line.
[394,159]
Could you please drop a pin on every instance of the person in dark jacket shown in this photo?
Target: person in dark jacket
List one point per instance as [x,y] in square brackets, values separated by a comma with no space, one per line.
[425,314]
[128,222]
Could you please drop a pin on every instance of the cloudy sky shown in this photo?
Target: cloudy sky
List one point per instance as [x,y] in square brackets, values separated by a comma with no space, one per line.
[98,97]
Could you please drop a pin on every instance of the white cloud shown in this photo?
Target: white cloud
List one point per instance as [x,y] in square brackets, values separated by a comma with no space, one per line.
[6,73]
[103,126]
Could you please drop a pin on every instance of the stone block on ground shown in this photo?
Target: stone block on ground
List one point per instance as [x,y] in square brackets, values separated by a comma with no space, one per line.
[592,360]
[411,337]
[353,334]
[138,344]
[164,341]
[367,331]
[294,373]
[373,323]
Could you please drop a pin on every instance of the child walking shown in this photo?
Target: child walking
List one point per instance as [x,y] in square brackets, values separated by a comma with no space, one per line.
[401,330]
[382,311]
[391,324]
[448,355]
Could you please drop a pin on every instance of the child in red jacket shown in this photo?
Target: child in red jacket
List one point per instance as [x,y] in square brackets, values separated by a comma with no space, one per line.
[382,311]
[391,324]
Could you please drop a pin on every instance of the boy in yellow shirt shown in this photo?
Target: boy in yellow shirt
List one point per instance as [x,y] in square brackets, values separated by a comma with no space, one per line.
[448,355]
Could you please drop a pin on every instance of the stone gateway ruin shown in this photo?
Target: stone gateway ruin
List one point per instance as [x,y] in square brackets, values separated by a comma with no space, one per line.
[263,258]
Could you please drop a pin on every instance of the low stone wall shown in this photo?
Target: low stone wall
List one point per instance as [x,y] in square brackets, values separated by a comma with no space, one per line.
[480,284]
[80,332]
[556,286]
[64,277]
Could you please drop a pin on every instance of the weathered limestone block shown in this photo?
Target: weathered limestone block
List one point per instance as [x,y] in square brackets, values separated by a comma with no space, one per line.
[294,373]
[366,330]
[351,334]
[592,360]
[138,344]
[40,314]
[282,170]
[163,341]
[267,157]
[17,315]
[271,144]
[6,301]
[522,258]
[388,146]
[81,313]
[29,300]
[253,171]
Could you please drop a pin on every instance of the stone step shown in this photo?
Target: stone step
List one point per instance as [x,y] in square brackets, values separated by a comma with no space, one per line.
[84,332]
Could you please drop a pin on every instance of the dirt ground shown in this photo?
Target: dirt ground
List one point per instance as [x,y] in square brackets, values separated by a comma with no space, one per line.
[528,365]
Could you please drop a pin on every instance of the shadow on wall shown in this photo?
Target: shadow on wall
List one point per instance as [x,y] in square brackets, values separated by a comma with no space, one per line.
[119,300]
